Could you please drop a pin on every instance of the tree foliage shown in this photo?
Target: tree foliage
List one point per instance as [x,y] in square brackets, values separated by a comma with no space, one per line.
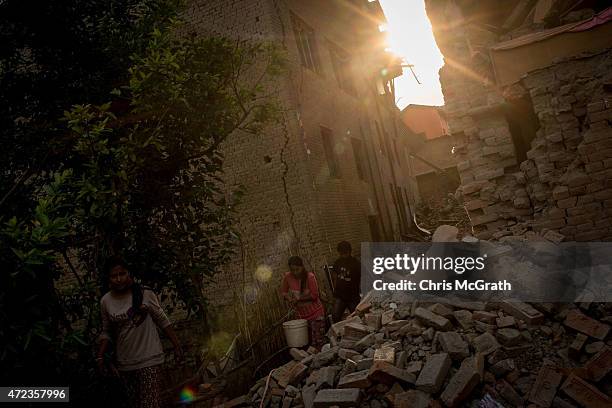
[133,166]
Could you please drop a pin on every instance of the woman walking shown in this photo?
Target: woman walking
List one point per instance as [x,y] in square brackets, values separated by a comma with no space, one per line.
[301,290]
[130,317]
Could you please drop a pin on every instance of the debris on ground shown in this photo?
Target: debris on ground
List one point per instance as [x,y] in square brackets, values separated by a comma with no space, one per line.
[433,355]
[393,353]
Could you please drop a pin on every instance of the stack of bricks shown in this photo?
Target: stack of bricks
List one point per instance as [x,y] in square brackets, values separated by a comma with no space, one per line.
[572,153]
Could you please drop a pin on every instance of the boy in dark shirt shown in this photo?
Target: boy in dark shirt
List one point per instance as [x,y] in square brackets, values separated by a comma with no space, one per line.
[347,274]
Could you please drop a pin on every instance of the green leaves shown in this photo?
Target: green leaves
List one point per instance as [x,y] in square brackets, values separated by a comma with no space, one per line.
[140,174]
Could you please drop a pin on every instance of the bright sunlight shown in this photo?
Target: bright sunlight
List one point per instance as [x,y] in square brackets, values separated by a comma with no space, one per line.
[410,36]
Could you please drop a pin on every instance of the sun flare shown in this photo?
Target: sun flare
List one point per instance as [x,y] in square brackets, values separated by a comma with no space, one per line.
[409,35]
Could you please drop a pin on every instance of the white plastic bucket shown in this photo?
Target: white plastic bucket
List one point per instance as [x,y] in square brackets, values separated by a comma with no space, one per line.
[296,332]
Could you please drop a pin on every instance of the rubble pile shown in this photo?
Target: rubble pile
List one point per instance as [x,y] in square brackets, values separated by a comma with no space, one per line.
[507,354]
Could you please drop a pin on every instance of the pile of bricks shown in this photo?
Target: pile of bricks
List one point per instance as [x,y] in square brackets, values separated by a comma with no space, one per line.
[391,354]
[538,149]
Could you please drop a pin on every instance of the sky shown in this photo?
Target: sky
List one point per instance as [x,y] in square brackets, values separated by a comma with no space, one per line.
[410,36]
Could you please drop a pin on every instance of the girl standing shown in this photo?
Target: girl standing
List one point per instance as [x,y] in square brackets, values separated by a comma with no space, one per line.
[300,289]
[130,317]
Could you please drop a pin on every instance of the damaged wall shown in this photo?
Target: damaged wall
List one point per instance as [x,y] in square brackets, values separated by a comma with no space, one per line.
[536,154]
[292,203]
[569,171]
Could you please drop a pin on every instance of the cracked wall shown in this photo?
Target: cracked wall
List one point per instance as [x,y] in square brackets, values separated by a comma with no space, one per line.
[292,205]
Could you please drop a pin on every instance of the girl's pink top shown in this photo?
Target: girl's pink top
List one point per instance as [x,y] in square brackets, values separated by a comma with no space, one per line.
[308,311]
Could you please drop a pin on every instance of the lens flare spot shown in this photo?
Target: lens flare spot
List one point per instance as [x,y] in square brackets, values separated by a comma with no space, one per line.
[339,148]
[250,294]
[187,394]
[263,273]
[283,240]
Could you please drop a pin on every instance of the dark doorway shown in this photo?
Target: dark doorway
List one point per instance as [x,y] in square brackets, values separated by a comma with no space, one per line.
[523,124]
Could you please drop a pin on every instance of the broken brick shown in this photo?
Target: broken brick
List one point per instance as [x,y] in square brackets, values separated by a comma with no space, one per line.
[412,399]
[586,325]
[308,395]
[365,364]
[503,367]
[431,319]
[464,318]
[441,310]
[373,320]
[298,354]
[483,327]
[585,394]
[295,375]
[364,343]
[356,331]
[461,384]
[364,305]
[345,343]
[324,357]
[326,376]
[396,325]
[522,311]
[508,336]
[507,392]
[485,317]
[414,367]
[337,329]
[400,359]
[386,354]
[516,351]
[346,353]
[347,397]
[545,387]
[595,347]
[486,343]
[410,330]
[358,379]
[600,364]
[388,374]
[350,366]
[283,375]
[387,317]
[506,321]
[453,344]
[433,373]
[393,391]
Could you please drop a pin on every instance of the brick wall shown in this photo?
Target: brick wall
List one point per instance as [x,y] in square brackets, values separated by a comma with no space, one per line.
[569,170]
[291,204]
[532,155]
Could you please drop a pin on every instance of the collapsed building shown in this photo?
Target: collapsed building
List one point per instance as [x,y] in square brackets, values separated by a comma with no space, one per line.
[527,88]
[433,163]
